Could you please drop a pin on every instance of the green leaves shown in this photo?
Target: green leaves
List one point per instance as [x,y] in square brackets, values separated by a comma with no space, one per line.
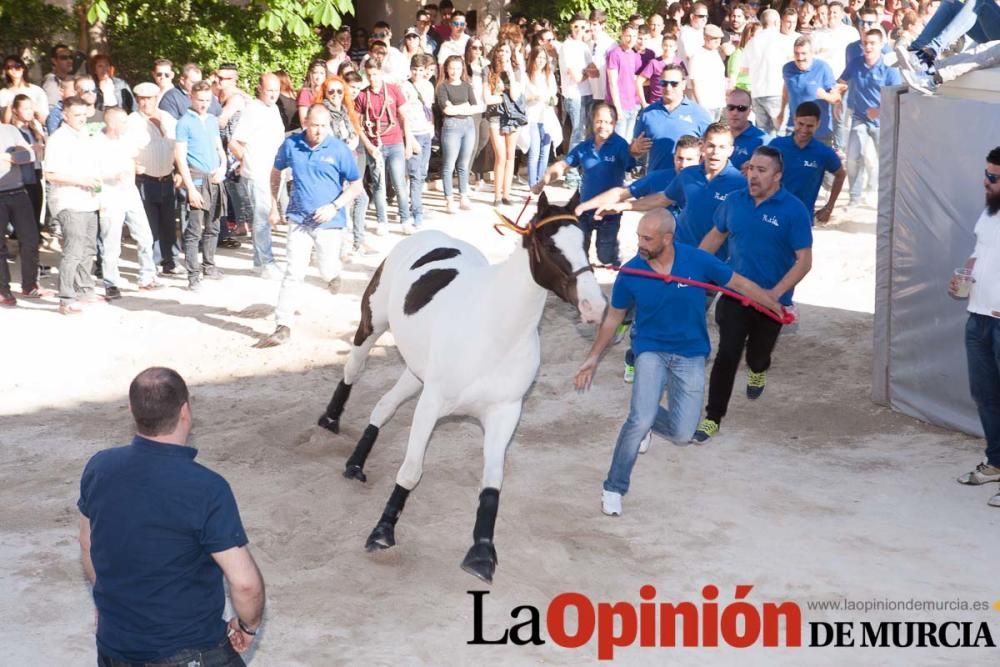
[98,11]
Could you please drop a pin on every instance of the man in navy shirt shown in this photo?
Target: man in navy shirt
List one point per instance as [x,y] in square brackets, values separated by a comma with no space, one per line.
[671,343]
[865,76]
[807,161]
[698,190]
[660,124]
[177,100]
[746,136]
[327,180]
[770,242]
[158,533]
[809,79]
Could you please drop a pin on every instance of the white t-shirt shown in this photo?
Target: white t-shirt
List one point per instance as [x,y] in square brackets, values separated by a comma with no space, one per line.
[72,153]
[39,100]
[260,129]
[451,47]
[691,39]
[765,56]
[156,149]
[831,46]
[116,167]
[599,86]
[984,298]
[537,97]
[574,54]
[709,74]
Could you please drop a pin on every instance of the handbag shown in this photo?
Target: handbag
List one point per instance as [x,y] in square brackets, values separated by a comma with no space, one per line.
[512,111]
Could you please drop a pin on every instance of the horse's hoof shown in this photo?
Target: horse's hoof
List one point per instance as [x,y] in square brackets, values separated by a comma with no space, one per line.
[329,423]
[383,537]
[355,472]
[481,561]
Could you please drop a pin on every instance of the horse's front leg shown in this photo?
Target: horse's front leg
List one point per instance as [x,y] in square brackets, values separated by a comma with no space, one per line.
[499,424]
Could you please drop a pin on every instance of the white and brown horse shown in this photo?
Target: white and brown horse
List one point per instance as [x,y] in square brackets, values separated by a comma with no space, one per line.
[468,332]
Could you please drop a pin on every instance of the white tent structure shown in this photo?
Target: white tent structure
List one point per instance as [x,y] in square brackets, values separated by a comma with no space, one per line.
[932,155]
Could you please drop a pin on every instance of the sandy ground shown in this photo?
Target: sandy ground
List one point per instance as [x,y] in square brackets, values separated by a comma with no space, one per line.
[811,493]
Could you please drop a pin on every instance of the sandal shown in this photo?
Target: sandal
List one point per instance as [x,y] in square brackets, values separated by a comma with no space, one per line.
[230,242]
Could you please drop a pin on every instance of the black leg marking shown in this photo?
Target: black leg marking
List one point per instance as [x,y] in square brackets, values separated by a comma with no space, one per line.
[384,534]
[331,418]
[481,559]
[436,255]
[426,287]
[354,468]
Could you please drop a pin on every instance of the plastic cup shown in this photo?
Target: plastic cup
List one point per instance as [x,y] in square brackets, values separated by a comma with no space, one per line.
[963,283]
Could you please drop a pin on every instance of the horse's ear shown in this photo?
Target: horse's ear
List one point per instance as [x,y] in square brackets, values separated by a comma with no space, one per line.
[573,202]
[543,201]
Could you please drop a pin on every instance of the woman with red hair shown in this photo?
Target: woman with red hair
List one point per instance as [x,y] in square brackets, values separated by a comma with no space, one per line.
[111,91]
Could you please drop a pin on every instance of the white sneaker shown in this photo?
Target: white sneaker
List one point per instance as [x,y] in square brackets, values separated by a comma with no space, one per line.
[382,229]
[983,474]
[994,501]
[409,229]
[611,503]
[449,206]
[272,272]
[644,445]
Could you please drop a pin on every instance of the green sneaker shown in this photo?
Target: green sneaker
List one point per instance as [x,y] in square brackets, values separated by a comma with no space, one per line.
[620,332]
[706,429]
[629,376]
[755,384]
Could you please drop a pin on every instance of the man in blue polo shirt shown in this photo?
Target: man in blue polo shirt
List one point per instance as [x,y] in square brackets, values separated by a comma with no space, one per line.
[865,76]
[746,136]
[807,161]
[770,242]
[671,343]
[201,163]
[809,79]
[326,182]
[158,534]
[698,190]
[660,124]
[603,160]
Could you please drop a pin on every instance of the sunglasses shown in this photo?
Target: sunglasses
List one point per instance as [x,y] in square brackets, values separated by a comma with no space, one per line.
[335,91]
[64,57]
[380,35]
[672,84]
[88,91]
[742,108]
[458,24]
[14,66]
[992,178]
[411,36]
[476,47]
[164,75]
[869,22]
[700,16]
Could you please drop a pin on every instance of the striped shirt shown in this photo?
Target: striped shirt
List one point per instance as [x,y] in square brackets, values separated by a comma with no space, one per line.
[156,149]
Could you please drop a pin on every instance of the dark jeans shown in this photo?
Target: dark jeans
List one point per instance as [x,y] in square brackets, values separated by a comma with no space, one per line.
[35,195]
[223,655]
[159,201]
[16,209]
[982,347]
[79,229]
[202,228]
[739,326]
[607,236]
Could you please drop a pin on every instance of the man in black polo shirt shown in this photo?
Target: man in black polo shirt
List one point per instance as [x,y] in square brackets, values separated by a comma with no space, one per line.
[158,533]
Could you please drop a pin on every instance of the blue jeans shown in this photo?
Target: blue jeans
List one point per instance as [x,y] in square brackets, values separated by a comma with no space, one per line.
[416,171]
[458,139]
[982,347]
[360,203]
[857,143]
[538,153]
[394,162]
[607,236]
[573,109]
[260,196]
[765,111]
[626,124]
[954,19]
[684,379]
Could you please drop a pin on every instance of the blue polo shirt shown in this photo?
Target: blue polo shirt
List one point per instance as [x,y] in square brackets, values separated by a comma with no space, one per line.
[670,317]
[319,173]
[745,143]
[802,88]
[805,167]
[763,239]
[654,182]
[855,50]
[201,134]
[700,198]
[665,127]
[603,168]
[175,102]
[865,84]
[156,518]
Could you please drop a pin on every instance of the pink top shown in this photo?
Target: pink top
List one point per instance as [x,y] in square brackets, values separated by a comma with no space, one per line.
[627,64]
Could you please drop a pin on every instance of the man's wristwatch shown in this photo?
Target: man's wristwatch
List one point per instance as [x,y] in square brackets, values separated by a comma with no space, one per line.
[244,628]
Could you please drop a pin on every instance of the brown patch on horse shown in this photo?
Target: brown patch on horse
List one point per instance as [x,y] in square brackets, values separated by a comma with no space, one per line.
[365,327]
[424,288]
[436,255]
[550,269]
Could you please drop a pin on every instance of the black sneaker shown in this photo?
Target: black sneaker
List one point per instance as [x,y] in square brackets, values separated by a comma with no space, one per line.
[112,292]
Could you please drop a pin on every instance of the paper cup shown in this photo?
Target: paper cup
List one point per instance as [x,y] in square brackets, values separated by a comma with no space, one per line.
[963,282]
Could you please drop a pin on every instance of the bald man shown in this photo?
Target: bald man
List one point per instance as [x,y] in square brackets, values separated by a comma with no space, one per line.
[255,142]
[670,340]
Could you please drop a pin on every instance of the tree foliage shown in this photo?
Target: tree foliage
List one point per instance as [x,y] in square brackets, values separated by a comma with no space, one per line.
[31,24]
[560,11]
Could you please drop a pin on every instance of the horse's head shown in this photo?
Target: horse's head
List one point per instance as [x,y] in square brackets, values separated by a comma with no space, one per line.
[558,261]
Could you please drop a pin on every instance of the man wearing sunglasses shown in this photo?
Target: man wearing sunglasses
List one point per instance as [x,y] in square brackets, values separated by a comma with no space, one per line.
[982,331]
[662,123]
[428,40]
[62,69]
[746,136]
[692,36]
[454,44]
